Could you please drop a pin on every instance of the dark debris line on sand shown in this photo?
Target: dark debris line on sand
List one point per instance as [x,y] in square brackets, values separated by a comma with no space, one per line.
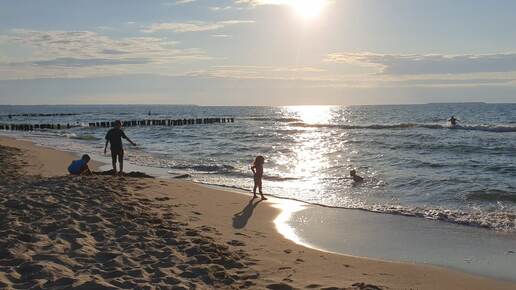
[91,233]
[136,174]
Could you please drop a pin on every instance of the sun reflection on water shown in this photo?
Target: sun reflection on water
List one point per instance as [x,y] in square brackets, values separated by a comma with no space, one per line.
[314,150]
[312,157]
[312,114]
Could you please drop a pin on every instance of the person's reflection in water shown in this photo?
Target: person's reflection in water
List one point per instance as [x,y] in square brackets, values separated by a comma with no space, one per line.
[240,218]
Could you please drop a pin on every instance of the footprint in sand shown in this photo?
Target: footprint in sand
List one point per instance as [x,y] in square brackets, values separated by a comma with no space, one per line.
[236,243]
[279,286]
[105,239]
[364,286]
[162,198]
[241,234]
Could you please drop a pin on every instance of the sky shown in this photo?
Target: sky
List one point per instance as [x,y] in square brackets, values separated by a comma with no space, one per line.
[257,52]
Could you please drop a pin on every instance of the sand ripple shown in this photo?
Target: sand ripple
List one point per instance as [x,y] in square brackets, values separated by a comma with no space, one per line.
[92,233]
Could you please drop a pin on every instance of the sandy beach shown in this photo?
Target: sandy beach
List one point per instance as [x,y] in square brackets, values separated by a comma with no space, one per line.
[103,232]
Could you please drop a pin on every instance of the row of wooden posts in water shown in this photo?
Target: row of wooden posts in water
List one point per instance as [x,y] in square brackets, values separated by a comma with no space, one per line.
[134,123]
[166,122]
[41,115]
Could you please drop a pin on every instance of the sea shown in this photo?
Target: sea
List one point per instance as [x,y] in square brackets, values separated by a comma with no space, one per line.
[414,163]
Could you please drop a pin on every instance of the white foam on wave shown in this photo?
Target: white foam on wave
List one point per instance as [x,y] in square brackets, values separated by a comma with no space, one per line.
[497,220]
[500,220]
[486,128]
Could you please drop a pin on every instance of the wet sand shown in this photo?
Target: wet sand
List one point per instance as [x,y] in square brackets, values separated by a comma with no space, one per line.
[399,238]
[104,232]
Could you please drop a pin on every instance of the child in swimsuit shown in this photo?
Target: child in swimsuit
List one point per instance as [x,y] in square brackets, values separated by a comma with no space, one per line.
[257,169]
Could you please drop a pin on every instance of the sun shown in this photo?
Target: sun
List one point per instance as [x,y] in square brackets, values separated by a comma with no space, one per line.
[308,9]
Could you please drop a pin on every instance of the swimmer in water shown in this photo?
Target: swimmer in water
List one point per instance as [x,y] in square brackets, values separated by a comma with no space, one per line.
[356,178]
[453,121]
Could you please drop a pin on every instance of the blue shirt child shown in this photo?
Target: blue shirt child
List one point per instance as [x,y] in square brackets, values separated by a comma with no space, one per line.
[78,166]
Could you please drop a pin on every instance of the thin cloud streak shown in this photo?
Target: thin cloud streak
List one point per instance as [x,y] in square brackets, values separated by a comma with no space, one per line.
[264,73]
[265,2]
[193,26]
[179,2]
[427,64]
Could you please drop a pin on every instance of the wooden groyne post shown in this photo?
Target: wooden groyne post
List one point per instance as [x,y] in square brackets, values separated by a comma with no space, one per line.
[164,122]
[131,123]
[41,115]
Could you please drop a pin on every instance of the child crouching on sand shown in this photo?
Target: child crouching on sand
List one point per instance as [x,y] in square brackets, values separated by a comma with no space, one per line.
[80,167]
[257,169]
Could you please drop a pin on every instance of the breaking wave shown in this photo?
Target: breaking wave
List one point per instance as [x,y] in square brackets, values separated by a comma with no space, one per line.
[281,120]
[486,128]
[504,221]
[492,195]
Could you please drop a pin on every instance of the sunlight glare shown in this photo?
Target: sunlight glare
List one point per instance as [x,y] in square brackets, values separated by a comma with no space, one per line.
[312,114]
[308,9]
[288,208]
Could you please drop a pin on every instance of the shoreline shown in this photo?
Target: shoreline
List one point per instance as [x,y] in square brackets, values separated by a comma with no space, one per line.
[278,259]
[484,251]
[496,221]
[403,239]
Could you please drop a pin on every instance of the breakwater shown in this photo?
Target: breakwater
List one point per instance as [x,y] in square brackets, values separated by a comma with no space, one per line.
[128,123]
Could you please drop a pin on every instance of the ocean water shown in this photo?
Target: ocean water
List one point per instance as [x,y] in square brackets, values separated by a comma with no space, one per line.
[413,163]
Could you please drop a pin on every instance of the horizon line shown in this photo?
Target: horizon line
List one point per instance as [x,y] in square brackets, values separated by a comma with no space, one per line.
[285,105]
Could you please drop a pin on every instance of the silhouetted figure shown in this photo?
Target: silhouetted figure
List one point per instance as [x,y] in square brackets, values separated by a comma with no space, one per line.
[150,113]
[356,178]
[80,167]
[241,218]
[114,137]
[10,116]
[453,121]
[257,169]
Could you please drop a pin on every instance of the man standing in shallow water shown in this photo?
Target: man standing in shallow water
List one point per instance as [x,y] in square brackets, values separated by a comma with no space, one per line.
[114,137]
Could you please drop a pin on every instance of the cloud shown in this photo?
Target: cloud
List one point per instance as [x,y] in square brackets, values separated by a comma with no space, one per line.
[193,26]
[421,64]
[78,53]
[127,89]
[184,1]
[265,2]
[263,72]
[220,8]
[455,82]
[221,35]
[88,44]
[178,2]
[276,2]
[78,62]
[324,78]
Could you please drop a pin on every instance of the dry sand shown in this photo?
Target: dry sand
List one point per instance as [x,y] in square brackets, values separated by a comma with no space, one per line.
[103,232]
